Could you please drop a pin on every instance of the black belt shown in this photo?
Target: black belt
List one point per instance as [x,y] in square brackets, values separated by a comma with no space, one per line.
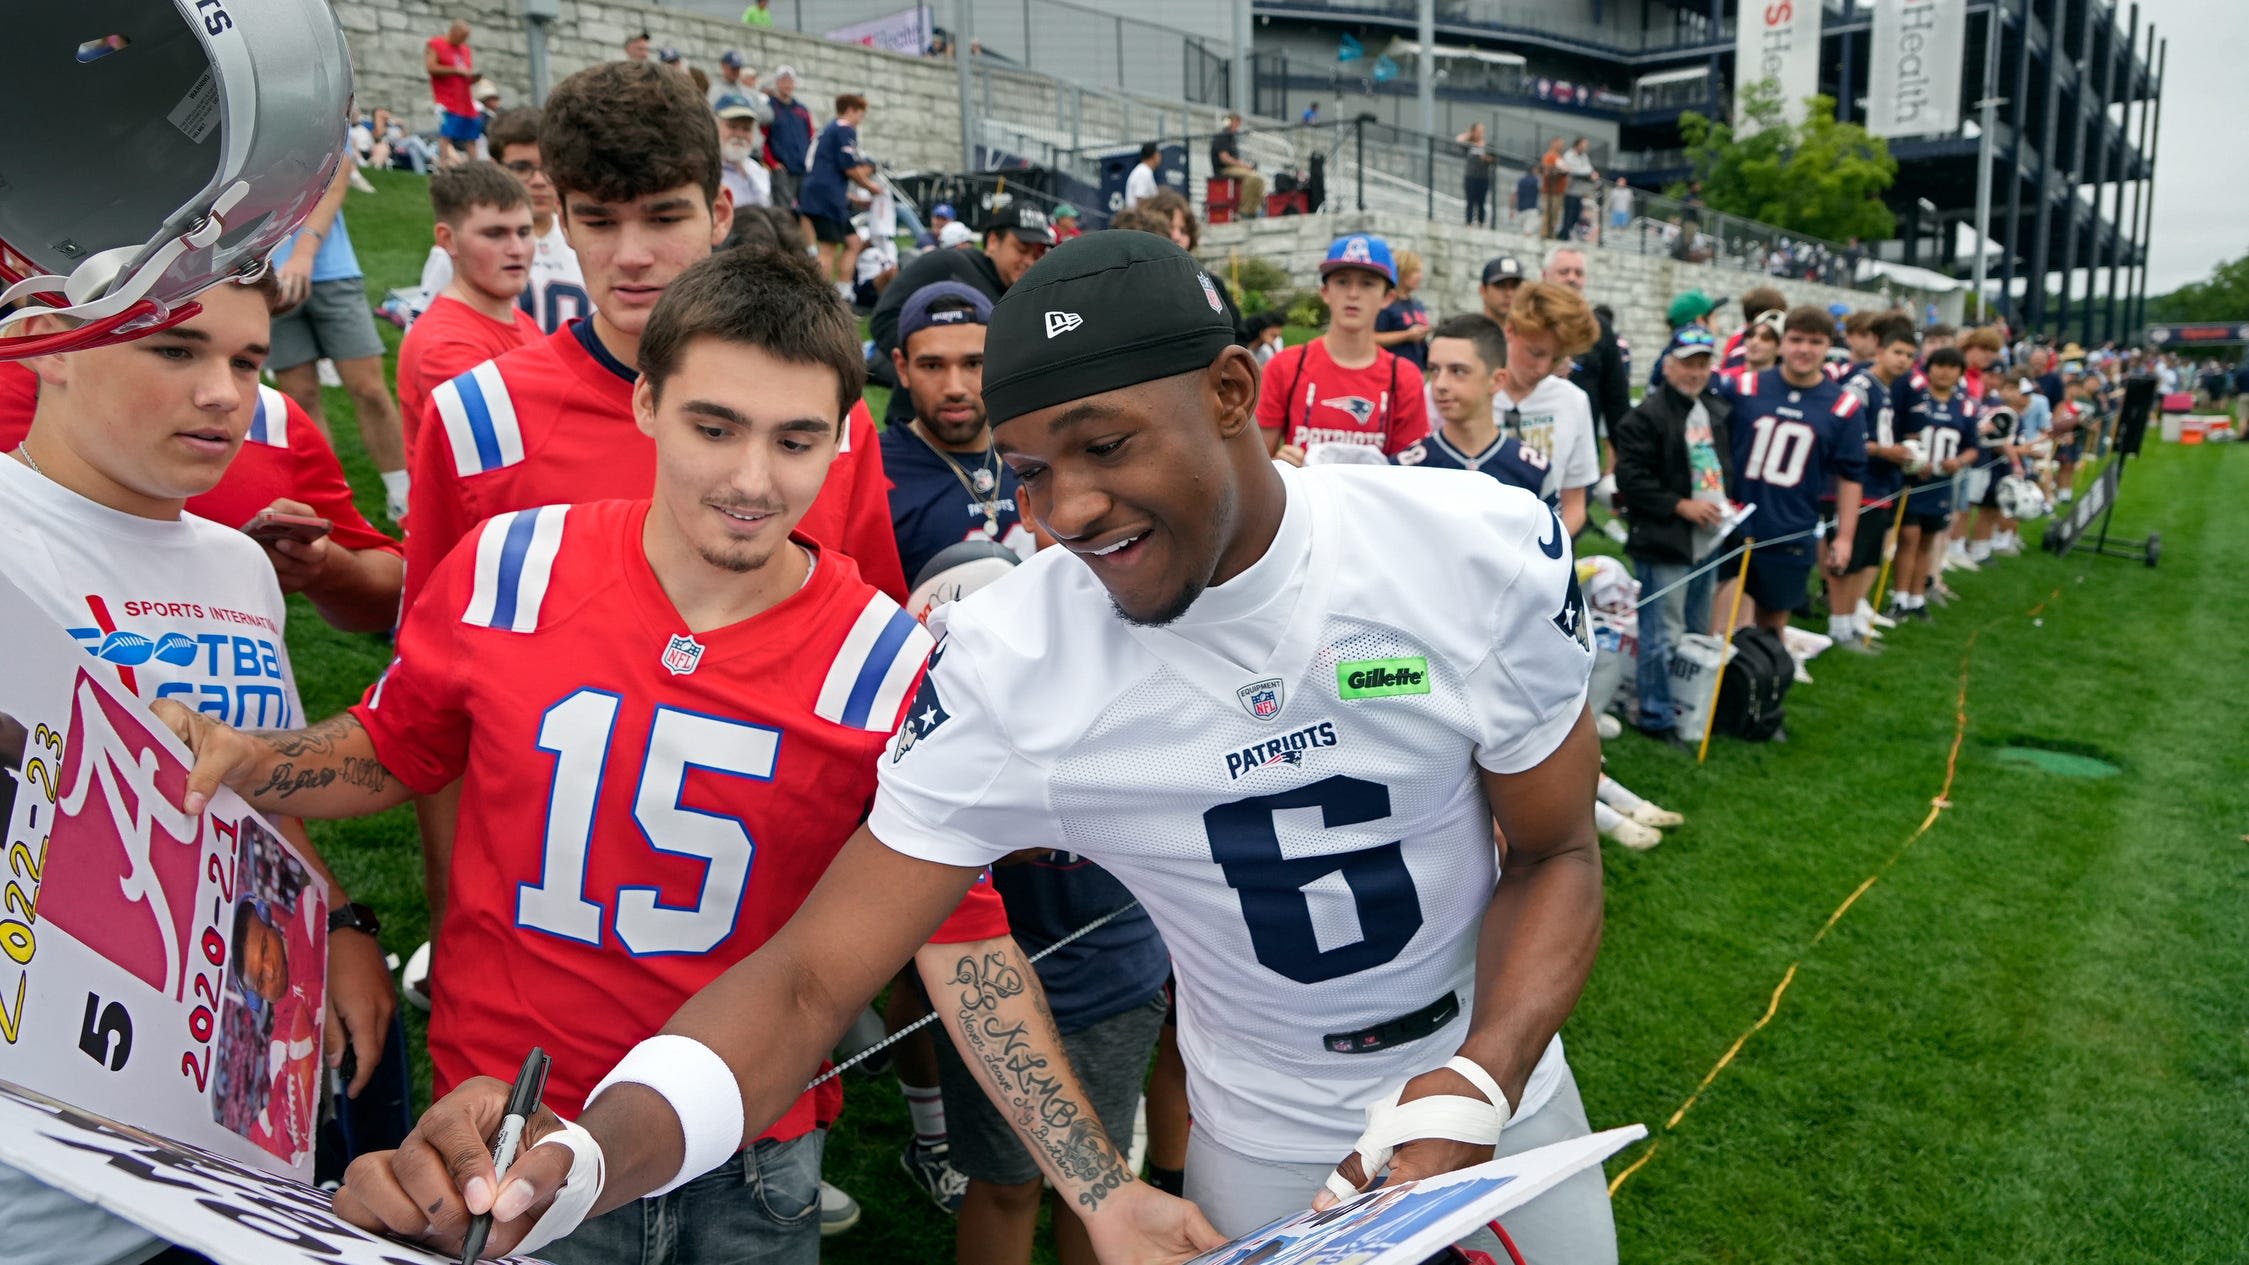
[1395,1032]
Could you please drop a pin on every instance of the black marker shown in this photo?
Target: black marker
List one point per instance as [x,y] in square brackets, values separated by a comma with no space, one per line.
[523,1103]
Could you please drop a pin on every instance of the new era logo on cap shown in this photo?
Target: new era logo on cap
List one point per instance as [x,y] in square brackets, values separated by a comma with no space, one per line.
[1062,322]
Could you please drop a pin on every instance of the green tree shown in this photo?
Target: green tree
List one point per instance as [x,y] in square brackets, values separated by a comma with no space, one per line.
[2223,296]
[1819,177]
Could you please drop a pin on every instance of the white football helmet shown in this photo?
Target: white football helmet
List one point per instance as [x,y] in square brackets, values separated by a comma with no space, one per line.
[1917,455]
[2020,498]
[151,148]
[957,571]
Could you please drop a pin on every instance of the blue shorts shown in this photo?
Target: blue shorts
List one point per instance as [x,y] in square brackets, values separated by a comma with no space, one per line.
[1779,577]
[461,129]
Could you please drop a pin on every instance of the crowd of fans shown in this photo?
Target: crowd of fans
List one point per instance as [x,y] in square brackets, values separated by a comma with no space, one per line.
[1836,448]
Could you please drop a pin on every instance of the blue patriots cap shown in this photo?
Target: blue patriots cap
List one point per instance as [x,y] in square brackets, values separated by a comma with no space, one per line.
[1361,250]
[916,315]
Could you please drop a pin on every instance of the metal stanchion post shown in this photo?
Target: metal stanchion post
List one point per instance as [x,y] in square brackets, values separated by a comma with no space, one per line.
[1718,680]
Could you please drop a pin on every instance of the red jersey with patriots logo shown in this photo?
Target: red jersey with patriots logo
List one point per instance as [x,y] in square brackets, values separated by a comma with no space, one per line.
[641,807]
[1312,400]
[552,423]
[283,455]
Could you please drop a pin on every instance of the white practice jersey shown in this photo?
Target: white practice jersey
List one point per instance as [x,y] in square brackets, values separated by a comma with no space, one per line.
[1286,776]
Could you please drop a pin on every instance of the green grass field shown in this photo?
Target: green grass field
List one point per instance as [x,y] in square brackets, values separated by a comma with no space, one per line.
[2028,1041]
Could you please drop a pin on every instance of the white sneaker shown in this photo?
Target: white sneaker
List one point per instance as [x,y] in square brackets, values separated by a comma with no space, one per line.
[360,182]
[414,980]
[838,1211]
[1635,836]
[2068,495]
[1616,531]
[1648,814]
[1867,614]
[1606,726]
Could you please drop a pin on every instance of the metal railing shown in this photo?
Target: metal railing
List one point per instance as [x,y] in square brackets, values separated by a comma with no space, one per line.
[1505,18]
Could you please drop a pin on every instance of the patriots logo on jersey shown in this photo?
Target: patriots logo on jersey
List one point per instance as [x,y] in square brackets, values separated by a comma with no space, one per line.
[682,653]
[1571,618]
[1262,699]
[1289,748]
[925,714]
[1359,407]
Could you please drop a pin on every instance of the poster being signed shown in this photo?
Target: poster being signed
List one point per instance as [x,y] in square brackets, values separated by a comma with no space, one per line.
[231,1213]
[155,967]
[1407,1223]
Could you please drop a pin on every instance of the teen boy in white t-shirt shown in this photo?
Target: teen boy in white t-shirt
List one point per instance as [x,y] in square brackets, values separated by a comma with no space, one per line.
[92,530]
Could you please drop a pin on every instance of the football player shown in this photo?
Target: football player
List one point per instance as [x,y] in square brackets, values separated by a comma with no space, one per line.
[1793,429]
[1335,920]
[1465,358]
[483,228]
[1943,420]
[1883,389]
[946,483]
[1341,388]
[1534,401]
[665,714]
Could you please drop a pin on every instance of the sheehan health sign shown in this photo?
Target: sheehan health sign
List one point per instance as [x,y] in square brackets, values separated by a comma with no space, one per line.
[1777,40]
[154,967]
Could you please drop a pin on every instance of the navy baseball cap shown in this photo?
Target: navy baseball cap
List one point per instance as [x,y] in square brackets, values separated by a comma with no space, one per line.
[1692,340]
[731,57]
[916,316]
[1504,268]
[945,209]
[1364,251]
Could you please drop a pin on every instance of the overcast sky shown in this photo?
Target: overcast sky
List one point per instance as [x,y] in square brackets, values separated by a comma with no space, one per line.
[2199,187]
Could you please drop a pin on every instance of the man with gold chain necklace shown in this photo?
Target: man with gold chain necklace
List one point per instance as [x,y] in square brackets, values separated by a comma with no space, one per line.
[947,485]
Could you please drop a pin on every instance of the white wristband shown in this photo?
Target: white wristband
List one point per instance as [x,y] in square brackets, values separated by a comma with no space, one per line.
[578,1193]
[702,1092]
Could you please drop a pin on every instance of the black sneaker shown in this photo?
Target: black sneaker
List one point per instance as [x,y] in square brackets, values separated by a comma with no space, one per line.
[932,1169]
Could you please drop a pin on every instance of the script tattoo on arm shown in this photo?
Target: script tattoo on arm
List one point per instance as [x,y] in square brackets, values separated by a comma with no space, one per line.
[321,747]
[1009,1030]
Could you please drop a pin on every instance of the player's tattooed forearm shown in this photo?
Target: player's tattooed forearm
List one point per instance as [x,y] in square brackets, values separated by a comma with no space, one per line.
[320,739]
[287,779]
[1029,1087]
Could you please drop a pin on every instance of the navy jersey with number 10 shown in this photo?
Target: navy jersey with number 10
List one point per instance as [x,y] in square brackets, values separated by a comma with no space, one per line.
[1788,442]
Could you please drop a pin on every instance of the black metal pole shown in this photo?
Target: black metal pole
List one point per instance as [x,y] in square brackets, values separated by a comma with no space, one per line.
[2155,139]
[2111,317]
[2020,108]
[2089,307]
[2042,236]
[2081,104]
[1359,143]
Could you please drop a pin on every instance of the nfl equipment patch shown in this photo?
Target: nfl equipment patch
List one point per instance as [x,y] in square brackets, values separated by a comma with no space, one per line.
[1210,292]
[1262,699]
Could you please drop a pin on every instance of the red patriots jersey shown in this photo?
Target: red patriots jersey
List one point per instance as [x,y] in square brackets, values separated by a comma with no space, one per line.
[284,455]
[641,808]
[552,423]
[450,338]
[1312,400]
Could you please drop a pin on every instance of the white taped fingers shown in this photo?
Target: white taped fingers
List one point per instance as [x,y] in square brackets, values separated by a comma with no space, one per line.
[1391,1124]
[702,1092]
[578,1193]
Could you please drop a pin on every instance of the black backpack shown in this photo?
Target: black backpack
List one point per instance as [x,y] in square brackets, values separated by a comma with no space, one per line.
[1756,683]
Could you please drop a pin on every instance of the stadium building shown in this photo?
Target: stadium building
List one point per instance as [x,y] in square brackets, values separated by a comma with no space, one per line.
[2078,83]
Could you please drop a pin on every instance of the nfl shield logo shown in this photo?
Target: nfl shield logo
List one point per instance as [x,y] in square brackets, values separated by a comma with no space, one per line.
[1210,292]
[1261,699]
[682,653]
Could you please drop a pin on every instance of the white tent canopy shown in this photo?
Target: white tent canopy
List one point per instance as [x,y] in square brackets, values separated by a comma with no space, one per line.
[1662,77]
[1412,48]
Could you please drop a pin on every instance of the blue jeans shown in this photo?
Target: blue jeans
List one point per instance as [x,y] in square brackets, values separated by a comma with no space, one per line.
[763,1205]
[1662,622]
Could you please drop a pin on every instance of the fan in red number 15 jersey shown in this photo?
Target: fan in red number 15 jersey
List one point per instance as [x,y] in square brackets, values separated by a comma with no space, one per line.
[642,807]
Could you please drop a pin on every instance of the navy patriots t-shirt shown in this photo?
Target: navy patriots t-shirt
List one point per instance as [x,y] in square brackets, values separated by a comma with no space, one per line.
[1947,428]
[1788,442]
[930,509]
[1506,459]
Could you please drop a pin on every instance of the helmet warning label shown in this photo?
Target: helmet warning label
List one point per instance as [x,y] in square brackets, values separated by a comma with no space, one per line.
[197,114]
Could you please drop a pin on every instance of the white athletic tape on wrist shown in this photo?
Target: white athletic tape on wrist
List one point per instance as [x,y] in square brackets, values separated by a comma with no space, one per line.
[1391,1124]
[578,1193]
[702,1092]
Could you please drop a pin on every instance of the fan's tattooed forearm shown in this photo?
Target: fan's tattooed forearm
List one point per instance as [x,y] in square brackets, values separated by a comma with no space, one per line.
[1010,1032]
[320,745]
